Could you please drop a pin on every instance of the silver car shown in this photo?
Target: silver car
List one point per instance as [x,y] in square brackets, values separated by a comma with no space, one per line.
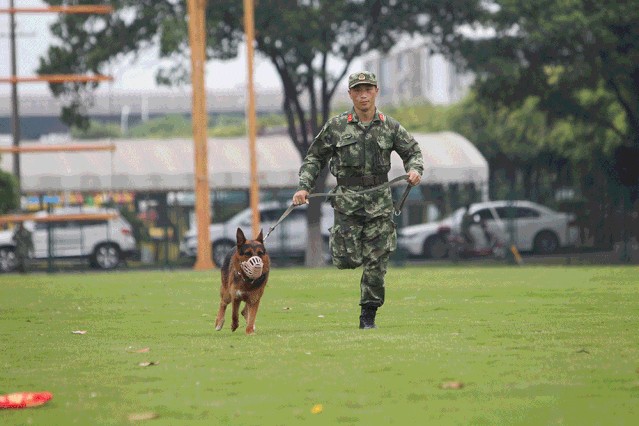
[288,239]
[534,228]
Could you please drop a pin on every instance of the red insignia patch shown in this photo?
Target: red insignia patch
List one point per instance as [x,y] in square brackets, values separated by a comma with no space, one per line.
[349,118]
[382,117]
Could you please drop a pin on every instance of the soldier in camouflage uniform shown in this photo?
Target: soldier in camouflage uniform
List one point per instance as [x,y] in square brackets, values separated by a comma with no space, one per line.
[24,247]
[357,146]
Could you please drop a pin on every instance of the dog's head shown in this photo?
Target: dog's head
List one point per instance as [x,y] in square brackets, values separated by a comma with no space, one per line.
[251,256]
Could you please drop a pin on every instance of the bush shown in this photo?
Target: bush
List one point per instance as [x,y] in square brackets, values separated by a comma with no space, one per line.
[9,193]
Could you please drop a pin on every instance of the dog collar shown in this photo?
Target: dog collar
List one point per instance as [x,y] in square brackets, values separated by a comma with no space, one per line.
[256,282]
[245,278]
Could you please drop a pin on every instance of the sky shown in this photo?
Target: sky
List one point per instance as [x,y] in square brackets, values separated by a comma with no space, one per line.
[34,39]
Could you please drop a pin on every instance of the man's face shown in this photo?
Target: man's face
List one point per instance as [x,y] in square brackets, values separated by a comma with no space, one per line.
[363,96]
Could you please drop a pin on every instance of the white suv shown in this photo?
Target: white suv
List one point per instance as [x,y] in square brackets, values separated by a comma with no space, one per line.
[288,239]
[103,242]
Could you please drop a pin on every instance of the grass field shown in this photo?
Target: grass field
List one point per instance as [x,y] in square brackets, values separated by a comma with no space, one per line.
[530,345]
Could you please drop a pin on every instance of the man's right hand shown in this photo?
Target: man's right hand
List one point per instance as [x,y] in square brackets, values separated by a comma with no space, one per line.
[300,197]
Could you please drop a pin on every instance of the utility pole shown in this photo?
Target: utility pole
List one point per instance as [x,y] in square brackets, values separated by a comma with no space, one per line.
[254,190]
[197,40]
[15,118]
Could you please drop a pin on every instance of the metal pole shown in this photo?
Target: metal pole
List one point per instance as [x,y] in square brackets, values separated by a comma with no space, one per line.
[15,118]
[197,40]
[249,30]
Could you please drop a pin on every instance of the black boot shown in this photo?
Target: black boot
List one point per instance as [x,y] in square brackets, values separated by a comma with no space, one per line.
[367,317]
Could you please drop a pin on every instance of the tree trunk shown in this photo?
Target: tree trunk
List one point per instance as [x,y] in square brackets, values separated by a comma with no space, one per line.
[315,244]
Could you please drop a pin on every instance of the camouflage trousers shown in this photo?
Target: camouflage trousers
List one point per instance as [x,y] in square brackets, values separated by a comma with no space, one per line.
[22,262]
[368,242]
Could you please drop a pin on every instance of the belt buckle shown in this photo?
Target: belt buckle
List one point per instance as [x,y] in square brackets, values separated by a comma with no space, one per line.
[368,180]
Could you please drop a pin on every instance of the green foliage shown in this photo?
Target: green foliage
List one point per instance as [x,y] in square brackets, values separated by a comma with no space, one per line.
[422,117]
[9,194]
[271,120]
[173,126]
[97,130]
[228,130]
[529,345]
[300,39]
[140,231]
[578,58]
[168,126]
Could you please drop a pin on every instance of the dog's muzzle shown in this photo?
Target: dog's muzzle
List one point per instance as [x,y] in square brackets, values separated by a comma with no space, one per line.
[253,267]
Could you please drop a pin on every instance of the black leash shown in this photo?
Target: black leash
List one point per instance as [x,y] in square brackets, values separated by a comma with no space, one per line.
[398,206]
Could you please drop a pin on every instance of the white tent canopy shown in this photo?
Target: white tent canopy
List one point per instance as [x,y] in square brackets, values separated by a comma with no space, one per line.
[167,165]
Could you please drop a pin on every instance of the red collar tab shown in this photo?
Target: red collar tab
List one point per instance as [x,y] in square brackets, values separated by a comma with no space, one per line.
[382,117]
[349,118]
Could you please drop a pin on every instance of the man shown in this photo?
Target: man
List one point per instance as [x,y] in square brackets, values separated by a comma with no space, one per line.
[467,221]
[24,246]
[357,145]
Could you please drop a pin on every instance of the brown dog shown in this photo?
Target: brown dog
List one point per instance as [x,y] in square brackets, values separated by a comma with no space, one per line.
[244,276]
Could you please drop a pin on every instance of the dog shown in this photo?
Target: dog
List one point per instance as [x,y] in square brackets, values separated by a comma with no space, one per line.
[244,277]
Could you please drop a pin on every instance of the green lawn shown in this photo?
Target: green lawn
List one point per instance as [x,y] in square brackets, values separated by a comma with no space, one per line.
[531,345]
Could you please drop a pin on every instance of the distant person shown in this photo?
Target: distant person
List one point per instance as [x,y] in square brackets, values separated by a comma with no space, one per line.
[466,223]
[24,247]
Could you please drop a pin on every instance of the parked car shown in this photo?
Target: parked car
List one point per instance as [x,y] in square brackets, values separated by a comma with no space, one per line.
[103,242]
[537,228]
[288,239]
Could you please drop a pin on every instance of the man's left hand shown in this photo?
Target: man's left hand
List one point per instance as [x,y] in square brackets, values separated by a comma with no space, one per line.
[414,178]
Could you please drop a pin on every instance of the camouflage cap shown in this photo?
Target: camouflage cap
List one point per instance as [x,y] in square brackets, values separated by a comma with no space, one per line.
[362,77]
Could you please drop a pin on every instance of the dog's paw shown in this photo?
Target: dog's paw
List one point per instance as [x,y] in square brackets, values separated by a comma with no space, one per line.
[234,326]
[250,330]
[218,326]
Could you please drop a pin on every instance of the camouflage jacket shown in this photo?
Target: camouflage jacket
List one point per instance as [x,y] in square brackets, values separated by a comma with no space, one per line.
[352,149]
[23,241]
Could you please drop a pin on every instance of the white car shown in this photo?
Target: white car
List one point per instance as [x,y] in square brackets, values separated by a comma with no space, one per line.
[288,239]
[103,242]
[536,228]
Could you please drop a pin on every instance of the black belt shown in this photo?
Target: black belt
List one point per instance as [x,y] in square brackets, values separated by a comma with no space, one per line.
[371,180]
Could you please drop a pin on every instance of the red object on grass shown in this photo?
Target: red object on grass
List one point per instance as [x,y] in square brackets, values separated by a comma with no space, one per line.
[24,399]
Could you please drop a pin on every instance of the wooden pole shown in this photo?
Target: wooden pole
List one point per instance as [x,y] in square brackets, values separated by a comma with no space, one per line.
[79,9]
[254,190]
[197,41]
[56,148]
[56,78]
[15,218]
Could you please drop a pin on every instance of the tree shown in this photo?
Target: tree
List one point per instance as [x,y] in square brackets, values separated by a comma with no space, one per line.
[9,194]
[580,58]
[299,37]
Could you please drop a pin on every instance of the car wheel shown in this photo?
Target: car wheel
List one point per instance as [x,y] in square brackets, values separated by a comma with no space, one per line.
[546,242]
[106,256]
[7,259]
[219,251]
[435,248]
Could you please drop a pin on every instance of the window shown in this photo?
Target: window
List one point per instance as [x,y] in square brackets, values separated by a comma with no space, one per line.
[516,212]
[525,212]
[484,214]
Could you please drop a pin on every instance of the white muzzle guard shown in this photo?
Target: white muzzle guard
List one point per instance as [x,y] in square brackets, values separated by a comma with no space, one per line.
[253,267]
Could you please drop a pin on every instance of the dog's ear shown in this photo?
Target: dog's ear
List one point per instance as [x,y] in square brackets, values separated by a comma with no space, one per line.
[241,239]
[260,238]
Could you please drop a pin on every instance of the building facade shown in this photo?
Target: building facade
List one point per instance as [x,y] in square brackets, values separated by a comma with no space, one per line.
[412,72]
